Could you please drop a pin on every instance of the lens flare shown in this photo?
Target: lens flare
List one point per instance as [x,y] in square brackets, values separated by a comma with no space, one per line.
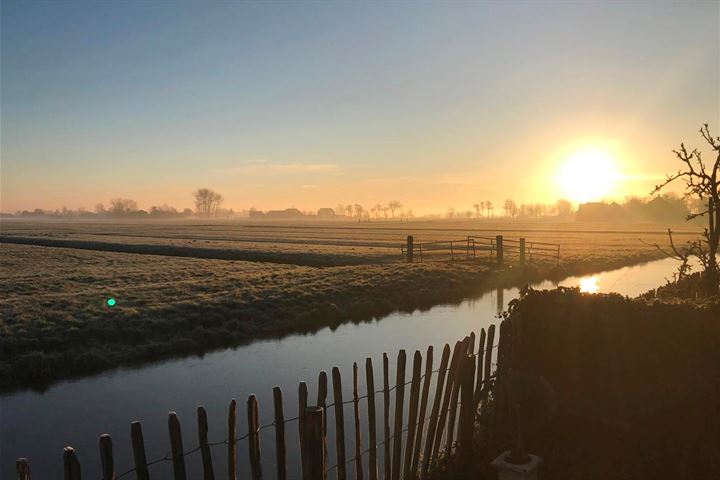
[589,285]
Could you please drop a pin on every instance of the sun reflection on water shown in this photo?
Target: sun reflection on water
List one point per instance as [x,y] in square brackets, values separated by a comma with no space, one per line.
[589,284]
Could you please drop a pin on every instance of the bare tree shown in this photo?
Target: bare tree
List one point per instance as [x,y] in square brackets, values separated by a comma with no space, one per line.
[378,209]
[489,207]
[394,205]
[702,181]
[99,208]
[476,206]
[358,210]
[123,206]
[207,202]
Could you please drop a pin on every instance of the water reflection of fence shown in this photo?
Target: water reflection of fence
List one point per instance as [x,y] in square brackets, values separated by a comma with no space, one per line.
[461,390]
[495,249]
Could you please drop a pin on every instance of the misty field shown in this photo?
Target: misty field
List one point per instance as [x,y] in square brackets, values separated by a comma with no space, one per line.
[55,321]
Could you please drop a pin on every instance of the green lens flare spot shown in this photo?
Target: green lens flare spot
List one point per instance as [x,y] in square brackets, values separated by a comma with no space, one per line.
[111,302]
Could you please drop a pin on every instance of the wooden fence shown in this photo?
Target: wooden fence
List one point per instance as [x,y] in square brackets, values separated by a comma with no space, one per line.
[472,247]
[462,389]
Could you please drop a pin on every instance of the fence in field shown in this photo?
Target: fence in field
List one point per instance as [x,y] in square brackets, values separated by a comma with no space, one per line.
[462,390]
[495,249]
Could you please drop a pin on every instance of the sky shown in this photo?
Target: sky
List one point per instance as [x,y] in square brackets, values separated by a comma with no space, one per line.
[311,104]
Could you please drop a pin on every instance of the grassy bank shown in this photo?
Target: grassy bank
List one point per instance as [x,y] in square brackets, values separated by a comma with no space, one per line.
[56,324]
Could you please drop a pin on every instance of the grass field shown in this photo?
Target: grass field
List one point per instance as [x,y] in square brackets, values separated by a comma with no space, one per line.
[55,322]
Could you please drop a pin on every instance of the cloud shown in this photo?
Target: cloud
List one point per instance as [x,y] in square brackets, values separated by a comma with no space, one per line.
[266,167]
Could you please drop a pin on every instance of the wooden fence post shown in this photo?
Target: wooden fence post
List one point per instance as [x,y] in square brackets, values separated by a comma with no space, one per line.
[315,467]
[387,459]
[106,457]
[280,453]
[22,469]
[232,440]
[372,425]
[456,393]
[138,447]
[499,250]
[522,251]
[208,473]
[432,426]
[339,424]
[467,416]
[479,373]
[176,447]
[302,410]
[412,413]
[446,401]
[423,410]
[358,432]
[322,402]
[398,424]
[409,249]
[71,464]
[254,437]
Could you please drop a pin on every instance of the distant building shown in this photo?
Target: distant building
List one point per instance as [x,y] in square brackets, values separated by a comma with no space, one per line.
[287,213]
[326,213]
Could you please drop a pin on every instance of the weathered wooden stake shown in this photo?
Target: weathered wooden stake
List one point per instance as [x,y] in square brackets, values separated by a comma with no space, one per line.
[499,250]
[479,375]
[71,464]
[412,413]
[456,393]
[315,467]
[22,468]
[467,412]
[387,459]
[339,424]
[398,425]
[432,426]
[106,457]
[302,409]
[409,249]
[138,447]
[522,251]
[423,410]
[232,440]
[254,438]
[280,453]
[489,350]
[446,401]
[358,432]
[322,402]
[208,473]
[176,447]
[372,425]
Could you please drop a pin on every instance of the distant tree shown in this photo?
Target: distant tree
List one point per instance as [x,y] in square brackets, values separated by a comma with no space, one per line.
[394,205]
[511,209]
[385,210]
[451,212]
[563,208]
[702,182]
[187,212]
[378,209]
[468,214]
[123,206]
[489,207]
[410,214]
[340,209]
[99,208]
[476,206]
[207,202]
[349,210]
[358,209]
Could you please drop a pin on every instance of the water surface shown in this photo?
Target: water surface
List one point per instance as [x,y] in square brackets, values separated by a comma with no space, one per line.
[38,425]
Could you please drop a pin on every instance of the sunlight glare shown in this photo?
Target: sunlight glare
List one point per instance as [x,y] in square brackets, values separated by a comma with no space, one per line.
[589,285]
[589,174]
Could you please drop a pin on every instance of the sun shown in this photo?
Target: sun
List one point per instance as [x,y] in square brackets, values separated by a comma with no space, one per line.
[588,174]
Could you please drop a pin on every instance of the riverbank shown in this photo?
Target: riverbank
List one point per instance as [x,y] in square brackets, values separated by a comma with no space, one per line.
[56,322]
